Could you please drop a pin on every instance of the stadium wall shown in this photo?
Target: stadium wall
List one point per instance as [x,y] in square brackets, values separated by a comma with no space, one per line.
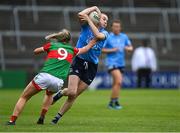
[161,80]
[12,79]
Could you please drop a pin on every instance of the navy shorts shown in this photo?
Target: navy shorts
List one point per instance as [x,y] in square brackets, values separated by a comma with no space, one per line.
[121,69]
[85,70]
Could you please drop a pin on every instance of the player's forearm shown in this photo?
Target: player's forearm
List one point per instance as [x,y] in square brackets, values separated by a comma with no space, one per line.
[90,9]
[97,34]
[87,47]
[38,50]
[109,50]
[129,48]
[82,50]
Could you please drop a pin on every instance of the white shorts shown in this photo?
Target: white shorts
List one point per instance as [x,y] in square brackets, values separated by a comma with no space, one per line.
[45,81]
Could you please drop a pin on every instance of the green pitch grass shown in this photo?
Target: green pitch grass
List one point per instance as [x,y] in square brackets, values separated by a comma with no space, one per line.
[143,111]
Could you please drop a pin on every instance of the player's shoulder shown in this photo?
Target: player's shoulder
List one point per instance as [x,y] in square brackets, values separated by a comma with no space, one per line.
[68,45]
[85,25]
[64,45]
[111,34]
[124,34]
[48,43]
[102,30]
[53,43]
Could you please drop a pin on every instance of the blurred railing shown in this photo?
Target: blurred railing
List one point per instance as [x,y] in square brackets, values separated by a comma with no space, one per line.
[167,35]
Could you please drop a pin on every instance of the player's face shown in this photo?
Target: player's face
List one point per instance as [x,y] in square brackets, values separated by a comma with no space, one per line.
[116,28]
[103,20]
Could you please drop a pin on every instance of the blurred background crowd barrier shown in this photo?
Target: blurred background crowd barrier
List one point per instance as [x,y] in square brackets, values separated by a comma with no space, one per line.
[24,23]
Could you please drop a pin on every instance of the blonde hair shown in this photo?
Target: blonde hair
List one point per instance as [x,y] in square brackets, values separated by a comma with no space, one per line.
[62,36]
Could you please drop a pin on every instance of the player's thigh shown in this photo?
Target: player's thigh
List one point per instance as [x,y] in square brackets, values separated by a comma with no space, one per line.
[116,75]
[49,92]
[54,84]
[48,96]
[29,91]
[73,83]
[81,87]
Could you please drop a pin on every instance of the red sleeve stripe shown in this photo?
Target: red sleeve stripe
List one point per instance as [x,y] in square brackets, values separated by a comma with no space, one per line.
[76,50]
[46,46]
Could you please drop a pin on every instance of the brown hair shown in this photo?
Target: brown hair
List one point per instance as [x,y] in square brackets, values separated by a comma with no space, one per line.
[104,14]
[116,21]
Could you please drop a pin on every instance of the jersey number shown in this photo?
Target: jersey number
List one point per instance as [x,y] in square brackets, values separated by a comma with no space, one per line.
[62,54]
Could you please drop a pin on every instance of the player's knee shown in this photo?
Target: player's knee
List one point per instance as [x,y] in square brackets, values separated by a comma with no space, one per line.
[117,83]
[72,93]
[25,96]
[72,96]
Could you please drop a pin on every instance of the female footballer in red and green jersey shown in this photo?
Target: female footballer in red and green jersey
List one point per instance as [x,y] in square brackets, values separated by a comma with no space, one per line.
[55,70]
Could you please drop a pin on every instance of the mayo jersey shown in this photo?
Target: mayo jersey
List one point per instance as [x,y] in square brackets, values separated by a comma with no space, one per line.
[59,58]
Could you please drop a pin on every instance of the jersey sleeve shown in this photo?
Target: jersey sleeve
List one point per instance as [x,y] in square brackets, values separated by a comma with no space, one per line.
[76,51]
[46,46]
[84,26]
[106,43]
[127,41]
[106,34]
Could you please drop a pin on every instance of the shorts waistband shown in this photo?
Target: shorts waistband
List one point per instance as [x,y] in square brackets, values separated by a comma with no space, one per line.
[48,74]
[83,60]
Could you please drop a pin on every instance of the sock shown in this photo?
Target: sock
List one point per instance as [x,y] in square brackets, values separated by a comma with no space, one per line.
[113,100]
[56,118]
[57,96]
[13,118]
[43,112]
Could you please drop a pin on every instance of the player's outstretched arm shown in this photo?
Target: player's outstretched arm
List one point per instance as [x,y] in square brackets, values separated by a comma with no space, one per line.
[129,48]
[87,47]
[109,50]
[38,50]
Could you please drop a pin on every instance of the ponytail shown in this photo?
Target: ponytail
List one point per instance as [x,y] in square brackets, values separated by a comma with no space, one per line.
[62,36]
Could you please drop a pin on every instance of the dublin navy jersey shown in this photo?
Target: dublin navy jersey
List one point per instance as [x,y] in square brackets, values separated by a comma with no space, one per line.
[85,36]
[116,59]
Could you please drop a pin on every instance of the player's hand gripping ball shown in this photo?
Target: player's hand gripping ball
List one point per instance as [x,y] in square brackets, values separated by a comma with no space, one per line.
[95,17]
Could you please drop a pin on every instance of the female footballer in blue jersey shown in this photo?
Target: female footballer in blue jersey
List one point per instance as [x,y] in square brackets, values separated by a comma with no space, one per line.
[115,61]
[84,67]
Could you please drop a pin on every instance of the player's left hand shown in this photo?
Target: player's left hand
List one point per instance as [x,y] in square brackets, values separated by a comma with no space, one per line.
[84,17]
[129,48]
